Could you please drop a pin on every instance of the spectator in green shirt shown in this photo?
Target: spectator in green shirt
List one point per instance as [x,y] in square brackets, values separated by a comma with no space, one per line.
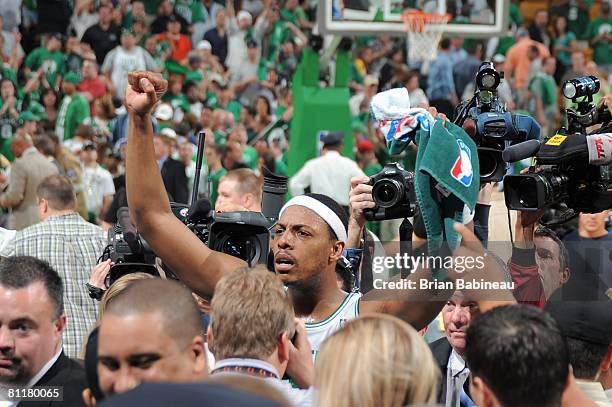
[563,44]
[73,110]
[599,33]
[10,107]
[213,153]
[49,59]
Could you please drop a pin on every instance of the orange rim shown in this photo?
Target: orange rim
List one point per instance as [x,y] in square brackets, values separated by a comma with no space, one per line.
[416,20]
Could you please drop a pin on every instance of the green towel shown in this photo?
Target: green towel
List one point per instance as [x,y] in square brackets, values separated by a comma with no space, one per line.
[448,178]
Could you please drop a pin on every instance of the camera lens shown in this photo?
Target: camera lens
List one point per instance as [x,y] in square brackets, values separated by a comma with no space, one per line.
[488,163]
[244,248]
[387,193]
[529,196]
[488,81]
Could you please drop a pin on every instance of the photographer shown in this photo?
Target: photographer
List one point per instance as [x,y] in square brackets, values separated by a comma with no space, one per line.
[539,263]
[308,241]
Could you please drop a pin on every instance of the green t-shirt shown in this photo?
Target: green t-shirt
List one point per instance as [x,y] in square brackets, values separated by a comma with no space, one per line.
[249,157]
[53,63]
[177,101]
[544,86]
[603,49]
[234,108]
[515,14]
[8,123]
[184,9]
[151,6]
[290,16]
[72,112]
[215,177]
[578,20]
[564,41]
[281,167]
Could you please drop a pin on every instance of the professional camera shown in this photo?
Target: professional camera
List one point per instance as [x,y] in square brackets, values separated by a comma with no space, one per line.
[128,251]
[394,194]
[240,234]
[496,128]
[564,175]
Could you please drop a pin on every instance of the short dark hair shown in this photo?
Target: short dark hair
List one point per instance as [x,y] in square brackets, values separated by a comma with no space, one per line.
[58,191]
[445,44]
[519,352]
[21,271]
[545,232]
[585,357]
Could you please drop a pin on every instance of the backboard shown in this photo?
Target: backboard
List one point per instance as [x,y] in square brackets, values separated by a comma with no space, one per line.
[469,18]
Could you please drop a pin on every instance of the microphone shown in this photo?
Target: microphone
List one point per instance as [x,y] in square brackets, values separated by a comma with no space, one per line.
[599,147]
[199,211]
[520,151]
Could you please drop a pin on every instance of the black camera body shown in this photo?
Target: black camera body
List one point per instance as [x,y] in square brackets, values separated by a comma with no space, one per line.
[496,128]
[563,174]
[240,234]
[128,251]
[394,194]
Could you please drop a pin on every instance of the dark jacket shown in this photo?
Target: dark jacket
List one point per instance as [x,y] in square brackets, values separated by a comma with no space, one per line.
[441,351]
[67,374]
[175,180]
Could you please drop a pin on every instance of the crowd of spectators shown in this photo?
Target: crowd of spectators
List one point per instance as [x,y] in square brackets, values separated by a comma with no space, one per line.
[70,100]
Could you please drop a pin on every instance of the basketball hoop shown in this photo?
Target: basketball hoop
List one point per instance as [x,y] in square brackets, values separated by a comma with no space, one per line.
[424,33]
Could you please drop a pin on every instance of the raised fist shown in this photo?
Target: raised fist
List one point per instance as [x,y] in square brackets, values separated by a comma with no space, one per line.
[144,91]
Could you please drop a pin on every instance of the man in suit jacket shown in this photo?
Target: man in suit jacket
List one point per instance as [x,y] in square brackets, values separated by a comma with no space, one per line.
[172,171]
[448,352]
[31,354]
[28,170]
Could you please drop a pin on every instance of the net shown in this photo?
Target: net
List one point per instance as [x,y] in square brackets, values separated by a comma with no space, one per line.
[424,33]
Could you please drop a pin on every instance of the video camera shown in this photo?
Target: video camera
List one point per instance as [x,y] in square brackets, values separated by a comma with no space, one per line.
[496,128]
[564,174]
[127,250]
[394,194]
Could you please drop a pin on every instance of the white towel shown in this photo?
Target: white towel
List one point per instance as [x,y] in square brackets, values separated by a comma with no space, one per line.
[394,116]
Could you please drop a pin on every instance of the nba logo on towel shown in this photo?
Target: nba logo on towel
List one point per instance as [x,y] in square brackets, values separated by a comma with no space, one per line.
[462,170]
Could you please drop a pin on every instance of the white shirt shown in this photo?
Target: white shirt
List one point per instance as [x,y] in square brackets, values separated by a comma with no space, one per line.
[35,378]
[595,392]
[329,175]
[61,117]
[121,61]
[297,397]
[97,183]
[457,374]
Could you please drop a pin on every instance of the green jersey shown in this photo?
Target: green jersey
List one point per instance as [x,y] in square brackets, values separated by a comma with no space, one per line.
[53,63]
[72,112]
[603,49]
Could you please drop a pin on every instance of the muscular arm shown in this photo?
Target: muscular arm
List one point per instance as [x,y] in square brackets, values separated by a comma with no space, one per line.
[198,267]
[420,306]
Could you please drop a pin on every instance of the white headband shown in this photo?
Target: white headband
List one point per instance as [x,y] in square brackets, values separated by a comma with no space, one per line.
[320,209]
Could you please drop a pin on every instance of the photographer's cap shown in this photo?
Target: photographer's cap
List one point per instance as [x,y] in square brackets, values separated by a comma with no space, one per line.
[333,138]
[329,210]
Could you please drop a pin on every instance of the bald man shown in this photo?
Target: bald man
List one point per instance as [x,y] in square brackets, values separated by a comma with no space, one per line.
[151,332]
[28,170]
